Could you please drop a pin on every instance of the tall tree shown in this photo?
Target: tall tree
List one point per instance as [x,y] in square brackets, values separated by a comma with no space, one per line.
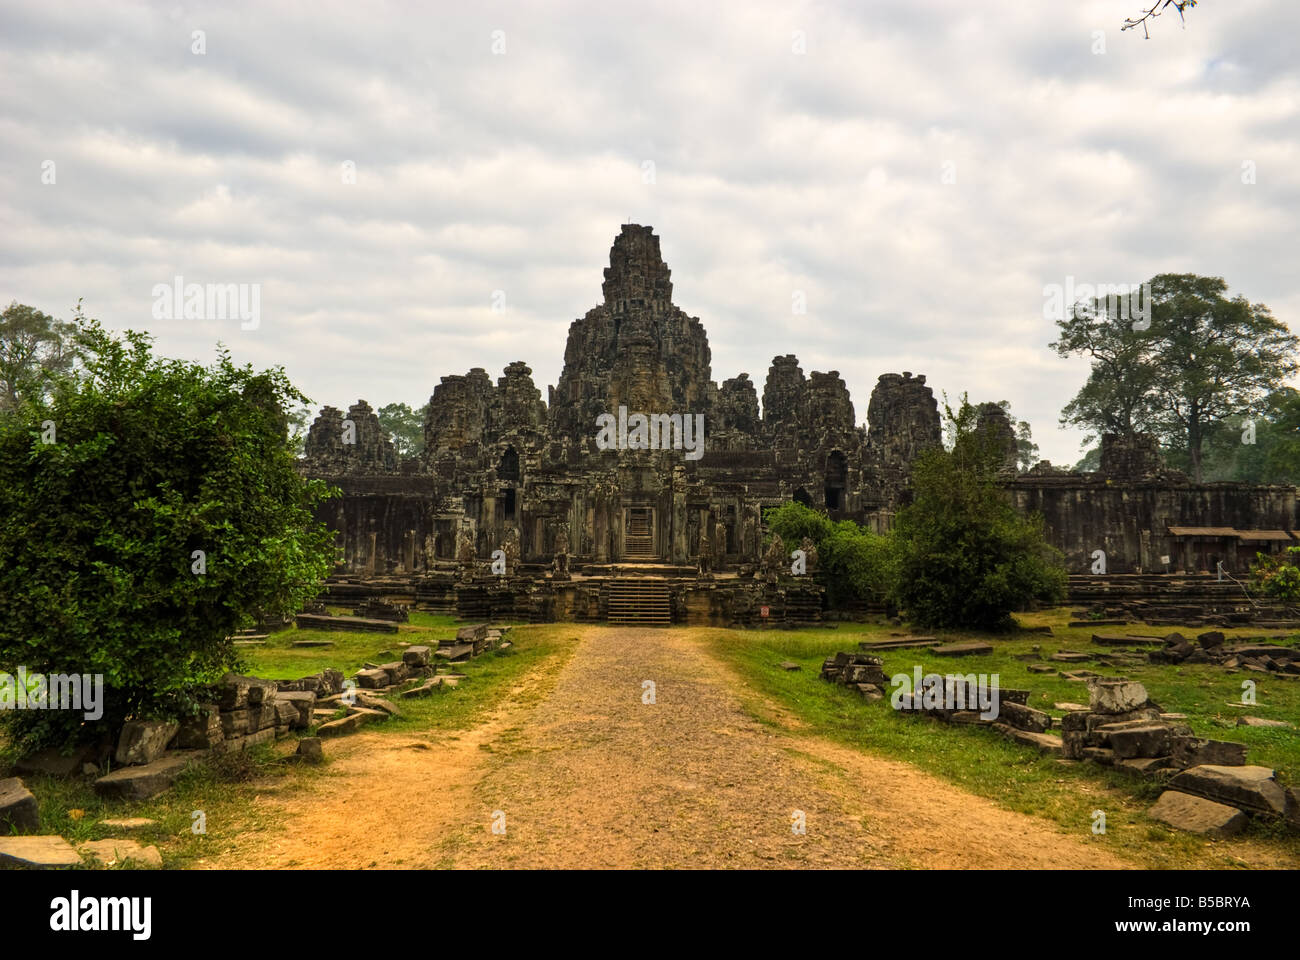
[1198,360]
[404,426]
[1118,395]
[1216,358]
[963,555]
[1026,449]
[34,347]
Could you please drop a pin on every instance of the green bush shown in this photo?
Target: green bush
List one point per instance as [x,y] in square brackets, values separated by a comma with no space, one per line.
[963,556]
[152,460]
[855,563]
[1277,576]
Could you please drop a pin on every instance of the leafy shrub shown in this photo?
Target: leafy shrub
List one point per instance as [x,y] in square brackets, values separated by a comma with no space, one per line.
[152,460]
[963,555]
[856,563]
[1278,576]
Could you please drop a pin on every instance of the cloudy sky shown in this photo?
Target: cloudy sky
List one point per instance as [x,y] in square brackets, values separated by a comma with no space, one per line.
[917,170]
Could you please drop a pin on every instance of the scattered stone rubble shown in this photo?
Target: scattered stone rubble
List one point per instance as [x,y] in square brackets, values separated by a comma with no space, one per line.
[1213,647]
[377,608]
[244,711]
[1211,789]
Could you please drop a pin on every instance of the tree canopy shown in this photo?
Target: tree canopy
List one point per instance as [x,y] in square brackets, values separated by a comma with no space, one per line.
[1202,359]
[34,348]
[963,555]
[149,508]
[404,426]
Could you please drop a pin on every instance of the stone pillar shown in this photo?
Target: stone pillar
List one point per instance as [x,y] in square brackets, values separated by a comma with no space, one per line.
[600,529]
[410,551]
[680,548]
[374,555]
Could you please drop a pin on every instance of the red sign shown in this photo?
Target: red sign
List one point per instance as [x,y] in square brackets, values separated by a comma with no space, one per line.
[763,611]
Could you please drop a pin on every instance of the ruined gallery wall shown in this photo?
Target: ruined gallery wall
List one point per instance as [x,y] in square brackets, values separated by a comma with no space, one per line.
[1130,520]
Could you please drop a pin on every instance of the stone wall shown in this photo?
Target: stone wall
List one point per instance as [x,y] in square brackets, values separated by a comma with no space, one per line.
[500,465]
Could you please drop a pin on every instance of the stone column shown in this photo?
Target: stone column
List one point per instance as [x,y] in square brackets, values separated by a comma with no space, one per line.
[681,552]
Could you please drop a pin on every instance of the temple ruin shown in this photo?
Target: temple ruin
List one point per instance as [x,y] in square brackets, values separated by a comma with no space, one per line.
[516,509]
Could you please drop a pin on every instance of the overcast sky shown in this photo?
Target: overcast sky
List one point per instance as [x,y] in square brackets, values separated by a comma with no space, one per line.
[498,147]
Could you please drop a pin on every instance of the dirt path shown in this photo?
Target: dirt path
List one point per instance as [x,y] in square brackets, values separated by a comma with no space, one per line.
[594,777]
[601,779]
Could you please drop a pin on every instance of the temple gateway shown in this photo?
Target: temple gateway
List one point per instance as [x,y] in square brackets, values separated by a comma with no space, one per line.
[515,509]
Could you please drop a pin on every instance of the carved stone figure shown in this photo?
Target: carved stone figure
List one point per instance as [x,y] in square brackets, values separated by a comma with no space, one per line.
[560,565]
[775,561]
[511,548]
[706,555]
[810,554]
[465,557]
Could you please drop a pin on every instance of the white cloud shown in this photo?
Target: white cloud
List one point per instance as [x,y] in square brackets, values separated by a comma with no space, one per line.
[774,172]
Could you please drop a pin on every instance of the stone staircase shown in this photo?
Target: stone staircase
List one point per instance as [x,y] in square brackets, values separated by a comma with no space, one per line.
[1178,599]
[641,601]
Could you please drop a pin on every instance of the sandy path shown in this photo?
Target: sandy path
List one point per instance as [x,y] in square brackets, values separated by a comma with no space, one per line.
[601,779]
[593,777]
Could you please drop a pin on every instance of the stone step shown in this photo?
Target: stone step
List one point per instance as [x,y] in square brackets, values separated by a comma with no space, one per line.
[962,649]
[37,853]
[147,780]
[1185,811]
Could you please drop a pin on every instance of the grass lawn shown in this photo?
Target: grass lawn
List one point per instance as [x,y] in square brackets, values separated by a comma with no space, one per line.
[1014,776]
[225,790]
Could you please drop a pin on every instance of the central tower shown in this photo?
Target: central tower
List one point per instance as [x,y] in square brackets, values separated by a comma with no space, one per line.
[636,349]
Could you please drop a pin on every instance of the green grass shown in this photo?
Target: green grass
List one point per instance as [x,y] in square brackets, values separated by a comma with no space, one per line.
[279,660]
[1011,775]
[225,788]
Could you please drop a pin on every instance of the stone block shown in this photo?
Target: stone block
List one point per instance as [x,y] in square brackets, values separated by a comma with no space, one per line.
[1193,752]
[1024,718]
[236,744]
[1095,720]
[1249,788]
[962,649]
[201,732]
[143,782]
[1262,722]
[129,823]
[143,741]
[110,852]
[1139,740]
[372,679]
[234,723]
[344,725]
[311,749]
[18,808]
[417,656]
[371,702]
[1143,766]
[53,762]
[1045,743]
[37,853]
[239,691]
[1115,696]
[1100,755]
[1195,814]
[303,702]
[397,672]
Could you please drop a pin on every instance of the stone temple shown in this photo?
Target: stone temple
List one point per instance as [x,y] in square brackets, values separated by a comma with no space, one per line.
[589,530]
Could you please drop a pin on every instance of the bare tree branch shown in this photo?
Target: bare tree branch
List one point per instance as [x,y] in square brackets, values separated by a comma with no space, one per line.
[1156,9]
